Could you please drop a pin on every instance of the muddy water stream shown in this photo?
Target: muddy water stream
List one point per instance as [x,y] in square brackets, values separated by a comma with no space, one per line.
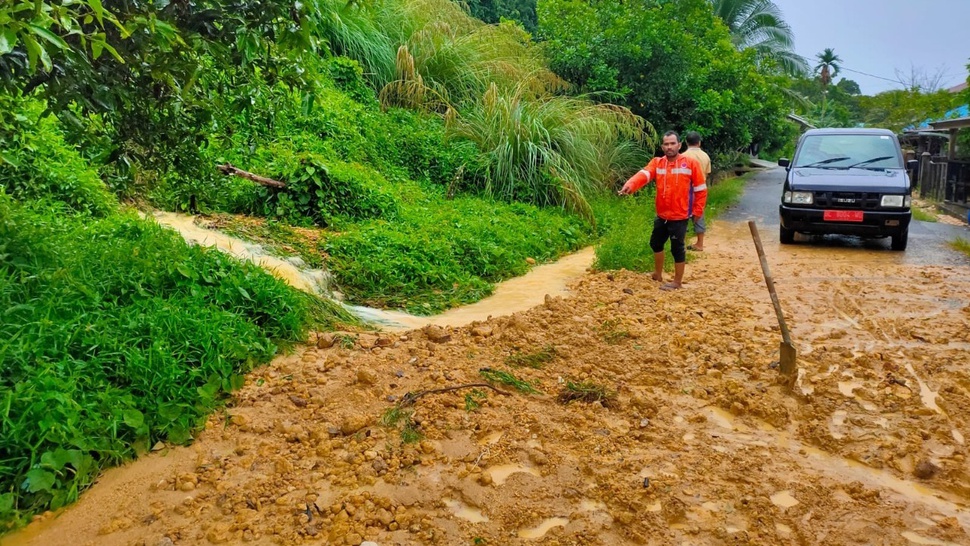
[511,296]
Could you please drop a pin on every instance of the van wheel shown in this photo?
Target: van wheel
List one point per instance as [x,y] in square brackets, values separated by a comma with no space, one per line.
[899,240]
[787,236]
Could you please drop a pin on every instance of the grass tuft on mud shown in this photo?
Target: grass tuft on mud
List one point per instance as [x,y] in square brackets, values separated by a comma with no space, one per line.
[536,360]
[588,392]
[507,378]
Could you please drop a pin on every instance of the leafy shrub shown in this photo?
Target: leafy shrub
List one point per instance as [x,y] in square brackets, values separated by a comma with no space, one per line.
[116,335]
[322,189]
[36,162]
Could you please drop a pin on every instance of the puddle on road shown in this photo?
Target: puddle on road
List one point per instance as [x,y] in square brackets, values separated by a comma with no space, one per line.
[501,473]
[925,393]
[543,528]
[464,511]
[783,499]
[917,539]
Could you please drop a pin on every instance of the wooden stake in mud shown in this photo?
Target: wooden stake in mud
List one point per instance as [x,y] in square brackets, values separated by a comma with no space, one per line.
[787,363]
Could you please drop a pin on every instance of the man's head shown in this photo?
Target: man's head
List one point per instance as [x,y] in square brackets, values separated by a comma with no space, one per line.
[670,144]
[693,138]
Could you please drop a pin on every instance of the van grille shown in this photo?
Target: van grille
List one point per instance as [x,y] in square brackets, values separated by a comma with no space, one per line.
[846,200]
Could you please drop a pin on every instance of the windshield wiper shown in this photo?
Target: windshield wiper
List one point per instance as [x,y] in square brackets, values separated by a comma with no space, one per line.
[873,160]
[826,161]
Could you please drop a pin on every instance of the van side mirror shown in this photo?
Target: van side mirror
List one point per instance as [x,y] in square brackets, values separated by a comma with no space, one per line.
[912,164]
[784,162]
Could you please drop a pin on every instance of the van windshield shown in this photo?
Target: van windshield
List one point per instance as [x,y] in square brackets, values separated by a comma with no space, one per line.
[844,151]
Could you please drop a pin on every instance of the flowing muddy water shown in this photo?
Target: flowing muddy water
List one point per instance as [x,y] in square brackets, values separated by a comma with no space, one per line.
[701,444]
[514,295]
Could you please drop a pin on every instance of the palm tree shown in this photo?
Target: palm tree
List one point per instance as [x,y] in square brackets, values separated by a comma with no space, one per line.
[827,68]
[758,24]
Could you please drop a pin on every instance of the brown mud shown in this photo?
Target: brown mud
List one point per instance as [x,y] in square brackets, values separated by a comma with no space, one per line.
[701,444]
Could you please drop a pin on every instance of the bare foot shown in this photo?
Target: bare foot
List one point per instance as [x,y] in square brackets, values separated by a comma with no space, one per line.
[657,277]
[670,286]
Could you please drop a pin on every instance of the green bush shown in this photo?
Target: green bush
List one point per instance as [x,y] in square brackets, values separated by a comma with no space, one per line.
[321,190]
[116,334]
[36,162]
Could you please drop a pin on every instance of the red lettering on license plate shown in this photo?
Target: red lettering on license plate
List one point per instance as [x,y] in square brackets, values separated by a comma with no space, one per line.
[842,216]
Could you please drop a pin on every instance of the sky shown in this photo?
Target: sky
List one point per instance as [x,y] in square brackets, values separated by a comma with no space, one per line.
[879,37]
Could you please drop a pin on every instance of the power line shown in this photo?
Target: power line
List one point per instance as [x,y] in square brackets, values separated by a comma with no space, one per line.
[872,75]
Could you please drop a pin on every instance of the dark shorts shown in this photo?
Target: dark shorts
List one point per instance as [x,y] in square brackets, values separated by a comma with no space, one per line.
[699,225]
[676,231]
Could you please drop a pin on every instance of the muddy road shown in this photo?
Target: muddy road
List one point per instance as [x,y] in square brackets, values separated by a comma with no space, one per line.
[694,441]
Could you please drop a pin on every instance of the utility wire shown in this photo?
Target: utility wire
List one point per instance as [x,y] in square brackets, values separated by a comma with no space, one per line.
[872,75]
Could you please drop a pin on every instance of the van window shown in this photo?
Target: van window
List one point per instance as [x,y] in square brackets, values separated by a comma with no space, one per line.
[854,148]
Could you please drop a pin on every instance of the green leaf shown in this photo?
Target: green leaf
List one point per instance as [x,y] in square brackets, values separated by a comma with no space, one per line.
[134,418]
[38,480]
[8,40]
[113,52]
[244,293]
[98,10]
[49,36]
[186,271]
[10,160]
[6,503]
[96,48]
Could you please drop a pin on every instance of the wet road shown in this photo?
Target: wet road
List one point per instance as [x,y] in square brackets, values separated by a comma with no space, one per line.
[928,241]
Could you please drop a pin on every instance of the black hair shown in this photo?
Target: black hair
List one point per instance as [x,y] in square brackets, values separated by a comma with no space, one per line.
[693,138]
[673,134]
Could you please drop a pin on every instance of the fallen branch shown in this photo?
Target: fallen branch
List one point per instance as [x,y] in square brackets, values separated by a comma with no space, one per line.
[412,397]
[228,169]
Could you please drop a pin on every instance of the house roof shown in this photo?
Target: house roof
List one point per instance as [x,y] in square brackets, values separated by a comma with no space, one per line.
[958,123]
[958,88]
[960,112]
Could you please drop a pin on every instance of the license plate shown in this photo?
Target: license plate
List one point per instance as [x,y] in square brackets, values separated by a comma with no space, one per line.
[842,216]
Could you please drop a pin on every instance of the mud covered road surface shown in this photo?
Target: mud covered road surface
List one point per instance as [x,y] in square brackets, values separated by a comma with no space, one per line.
[699,445]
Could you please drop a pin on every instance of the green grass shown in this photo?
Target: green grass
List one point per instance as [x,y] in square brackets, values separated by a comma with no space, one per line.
[509,379]
[442,253]
[626,224]
[115,334]
[588,392]
[962,245]
[535,360]
[401,419]
[924,216]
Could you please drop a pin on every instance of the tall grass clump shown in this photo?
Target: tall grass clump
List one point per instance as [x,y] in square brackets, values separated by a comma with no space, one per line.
[550,150]
[115,334]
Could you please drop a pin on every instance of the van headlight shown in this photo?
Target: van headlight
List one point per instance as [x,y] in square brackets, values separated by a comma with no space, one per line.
[893,201]
[798,197]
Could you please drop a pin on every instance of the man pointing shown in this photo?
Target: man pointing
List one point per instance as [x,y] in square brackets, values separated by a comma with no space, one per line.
[676,176]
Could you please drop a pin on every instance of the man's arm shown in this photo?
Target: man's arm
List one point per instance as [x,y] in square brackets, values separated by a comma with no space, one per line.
[699,183]
[640,179]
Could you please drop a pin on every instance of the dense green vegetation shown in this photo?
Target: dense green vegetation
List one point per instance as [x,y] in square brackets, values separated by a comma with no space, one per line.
[433,153]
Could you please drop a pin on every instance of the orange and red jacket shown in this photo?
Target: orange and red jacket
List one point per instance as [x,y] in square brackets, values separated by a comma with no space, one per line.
[676,179]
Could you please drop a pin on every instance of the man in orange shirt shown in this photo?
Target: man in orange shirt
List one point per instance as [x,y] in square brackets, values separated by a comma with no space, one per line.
[676,176]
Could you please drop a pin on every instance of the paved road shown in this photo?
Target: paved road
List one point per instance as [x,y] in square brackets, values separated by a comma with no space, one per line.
[928,241]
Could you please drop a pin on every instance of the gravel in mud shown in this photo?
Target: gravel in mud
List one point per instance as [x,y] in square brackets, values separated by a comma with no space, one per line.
[697,441]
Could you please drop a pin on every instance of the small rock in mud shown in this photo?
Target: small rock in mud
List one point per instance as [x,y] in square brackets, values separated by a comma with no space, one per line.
[482,331]
[164,541]
[628,291]
[297,401]
[352,424]
[367,341]
[925,470]
[399,373]
[366,376]
[437,334]
[530,261]
[327,340]
[158,446]
[646,483]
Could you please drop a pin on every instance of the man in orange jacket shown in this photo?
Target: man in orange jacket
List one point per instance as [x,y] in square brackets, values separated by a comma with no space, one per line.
[677,176]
